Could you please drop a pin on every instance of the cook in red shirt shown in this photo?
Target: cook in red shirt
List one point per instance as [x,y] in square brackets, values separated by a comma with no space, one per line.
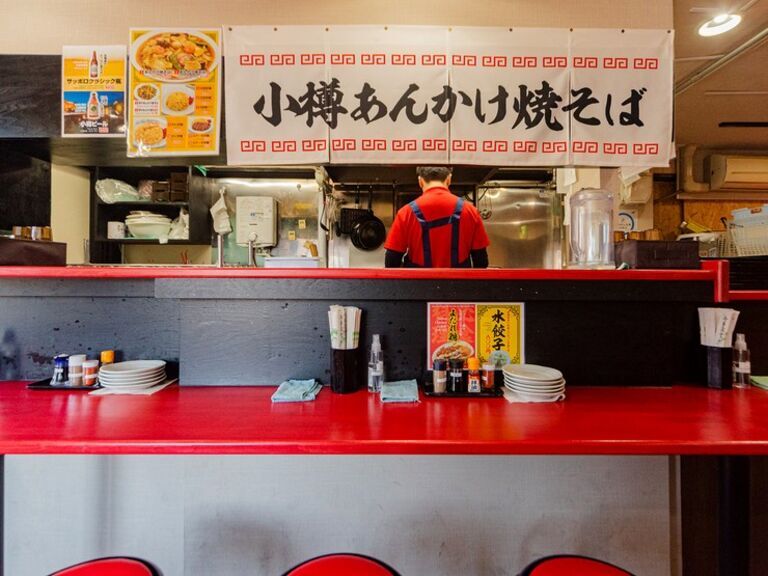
[438,229]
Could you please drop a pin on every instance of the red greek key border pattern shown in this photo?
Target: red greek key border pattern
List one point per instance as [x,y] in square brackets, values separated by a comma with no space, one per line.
[434,145]
[343,59]
[433,60]
[403,59]
[284,146]
[584,62]
[252,59]
[526,146]
[524,61]
[495,146]
[314,145]
[642,148]
[615,148]
[615,63]
[494,61]
[464,145]
[317,59]
[584,147]
[554,147]
[282,59]
[403,145]
[464,60]
[645,63]
[554,61]
[343,144]
[373,59]
[373,144]
[253,146]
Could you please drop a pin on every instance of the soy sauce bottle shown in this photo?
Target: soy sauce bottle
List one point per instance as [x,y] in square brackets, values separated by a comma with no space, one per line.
[456,382]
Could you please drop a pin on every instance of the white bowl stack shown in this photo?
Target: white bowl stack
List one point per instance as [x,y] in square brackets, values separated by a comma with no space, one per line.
[143,224]
[132,375]
[534,383]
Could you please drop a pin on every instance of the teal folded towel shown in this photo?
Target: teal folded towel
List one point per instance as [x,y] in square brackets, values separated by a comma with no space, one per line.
[402,391]
[297,391]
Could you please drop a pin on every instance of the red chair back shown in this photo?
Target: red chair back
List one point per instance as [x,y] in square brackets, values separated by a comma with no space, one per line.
[572,566]
[342,565]
[111,567]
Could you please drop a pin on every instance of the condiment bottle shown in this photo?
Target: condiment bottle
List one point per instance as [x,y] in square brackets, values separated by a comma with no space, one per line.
[107,357]
[456,376]
[742,367]
[90,372]
[488,377]
[473,376]
[439,376]
[76,369]
[60,370]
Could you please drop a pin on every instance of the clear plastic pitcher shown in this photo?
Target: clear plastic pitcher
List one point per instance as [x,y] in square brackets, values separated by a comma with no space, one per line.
[591,234]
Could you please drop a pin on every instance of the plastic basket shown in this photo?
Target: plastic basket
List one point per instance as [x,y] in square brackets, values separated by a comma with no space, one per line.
[748,239]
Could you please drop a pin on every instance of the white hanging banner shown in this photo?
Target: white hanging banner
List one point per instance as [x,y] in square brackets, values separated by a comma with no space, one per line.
[425,94]
[621,97]
[388,77]
[511,86]
[269,71]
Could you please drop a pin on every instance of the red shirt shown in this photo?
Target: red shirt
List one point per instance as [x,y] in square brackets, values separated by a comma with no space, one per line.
[436,203]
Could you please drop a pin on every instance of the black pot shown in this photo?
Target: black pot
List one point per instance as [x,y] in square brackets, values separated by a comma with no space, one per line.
[369,232]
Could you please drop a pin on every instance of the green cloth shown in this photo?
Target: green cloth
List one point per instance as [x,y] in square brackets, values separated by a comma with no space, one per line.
[402,391]
[760,382]
[297,391]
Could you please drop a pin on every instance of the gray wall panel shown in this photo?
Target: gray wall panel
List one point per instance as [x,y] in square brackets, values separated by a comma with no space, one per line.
[39,328]
[247,342]
[55,288]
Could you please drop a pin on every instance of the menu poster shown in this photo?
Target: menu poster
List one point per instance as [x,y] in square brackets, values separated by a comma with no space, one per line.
[93,91]
[451,331]
[500,333]
[493,332]
[174,92]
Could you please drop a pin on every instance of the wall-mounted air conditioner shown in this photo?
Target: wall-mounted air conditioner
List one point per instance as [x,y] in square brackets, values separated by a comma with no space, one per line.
[738,172]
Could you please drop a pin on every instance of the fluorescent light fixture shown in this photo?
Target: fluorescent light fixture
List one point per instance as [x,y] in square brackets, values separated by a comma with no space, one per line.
[719,24]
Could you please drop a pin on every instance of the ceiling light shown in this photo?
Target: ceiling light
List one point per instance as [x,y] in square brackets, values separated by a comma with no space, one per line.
[719,24]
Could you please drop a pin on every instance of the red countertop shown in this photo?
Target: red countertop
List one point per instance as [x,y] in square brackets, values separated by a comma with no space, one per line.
[706,274]
[242,420]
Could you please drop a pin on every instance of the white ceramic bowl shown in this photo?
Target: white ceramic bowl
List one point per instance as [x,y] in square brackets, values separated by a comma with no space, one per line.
[148,229]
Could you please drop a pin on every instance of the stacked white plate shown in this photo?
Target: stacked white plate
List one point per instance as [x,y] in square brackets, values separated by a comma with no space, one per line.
[534,383]
[132,375]
[144,224]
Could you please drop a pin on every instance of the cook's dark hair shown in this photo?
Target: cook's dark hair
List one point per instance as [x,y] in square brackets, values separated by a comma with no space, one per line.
[434,173]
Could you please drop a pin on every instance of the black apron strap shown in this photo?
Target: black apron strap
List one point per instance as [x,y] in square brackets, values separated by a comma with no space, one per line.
[427,225]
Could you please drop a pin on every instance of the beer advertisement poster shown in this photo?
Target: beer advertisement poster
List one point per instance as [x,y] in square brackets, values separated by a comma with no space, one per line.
[93,91]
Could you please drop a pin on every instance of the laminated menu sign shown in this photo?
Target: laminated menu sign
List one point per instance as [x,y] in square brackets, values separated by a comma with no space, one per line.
[175,92]
[93,91]
[451,329]
[493,332]
[500,333]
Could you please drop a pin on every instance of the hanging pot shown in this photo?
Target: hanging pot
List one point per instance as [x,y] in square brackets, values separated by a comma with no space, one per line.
[369,232]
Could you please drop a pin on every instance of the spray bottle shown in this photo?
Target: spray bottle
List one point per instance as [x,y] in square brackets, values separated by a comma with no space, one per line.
[375,366]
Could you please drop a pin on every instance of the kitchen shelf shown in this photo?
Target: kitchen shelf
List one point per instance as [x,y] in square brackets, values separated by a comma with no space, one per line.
[147,241]
[100,202]
[725,196]
[105,250]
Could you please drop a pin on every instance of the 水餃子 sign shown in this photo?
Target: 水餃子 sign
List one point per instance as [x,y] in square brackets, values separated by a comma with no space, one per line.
[423,94]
